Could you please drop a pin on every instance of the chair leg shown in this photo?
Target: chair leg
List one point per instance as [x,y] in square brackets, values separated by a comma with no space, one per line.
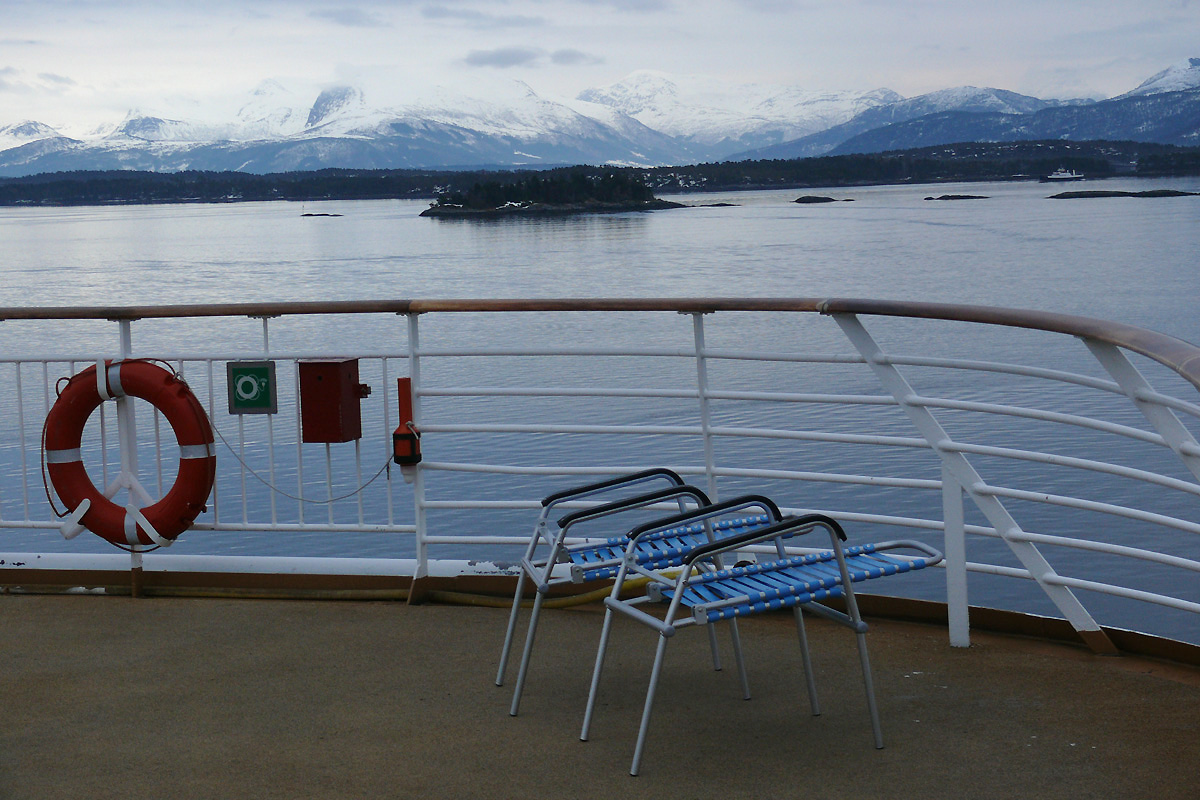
[654,673]
[525,655]
[809,678]
[866,669]
[512,627]
[594,691]
[712,645]
[739,658]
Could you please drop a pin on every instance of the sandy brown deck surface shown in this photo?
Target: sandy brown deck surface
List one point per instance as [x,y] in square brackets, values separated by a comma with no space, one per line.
[109,697]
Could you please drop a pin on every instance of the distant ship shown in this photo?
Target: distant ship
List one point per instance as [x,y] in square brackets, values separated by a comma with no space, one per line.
[1062,175]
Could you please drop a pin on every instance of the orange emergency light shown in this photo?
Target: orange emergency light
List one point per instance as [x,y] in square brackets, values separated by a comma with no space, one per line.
[406,440]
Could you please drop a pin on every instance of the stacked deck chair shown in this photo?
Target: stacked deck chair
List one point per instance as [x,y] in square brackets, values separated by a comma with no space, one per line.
[602,559]
[705,592]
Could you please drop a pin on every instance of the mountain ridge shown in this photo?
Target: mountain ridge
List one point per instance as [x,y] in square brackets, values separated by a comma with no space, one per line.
[708,115]
[647,119]
[1163,118]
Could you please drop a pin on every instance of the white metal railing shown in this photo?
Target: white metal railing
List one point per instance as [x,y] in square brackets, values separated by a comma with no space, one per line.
[1046,451]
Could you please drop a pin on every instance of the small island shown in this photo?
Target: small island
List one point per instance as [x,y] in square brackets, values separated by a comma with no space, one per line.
[1118,193]
[575,192]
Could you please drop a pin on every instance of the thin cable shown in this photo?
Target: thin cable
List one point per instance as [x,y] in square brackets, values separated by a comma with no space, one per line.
[276,489]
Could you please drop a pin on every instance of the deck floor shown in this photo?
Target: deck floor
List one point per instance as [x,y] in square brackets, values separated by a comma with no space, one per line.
[110,697]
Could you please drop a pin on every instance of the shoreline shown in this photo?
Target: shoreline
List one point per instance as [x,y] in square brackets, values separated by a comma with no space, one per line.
[1097,193]
[657,204]
[546,209]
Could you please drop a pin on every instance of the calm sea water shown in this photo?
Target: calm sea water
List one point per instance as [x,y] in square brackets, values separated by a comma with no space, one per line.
[1131,260]
[1126,259]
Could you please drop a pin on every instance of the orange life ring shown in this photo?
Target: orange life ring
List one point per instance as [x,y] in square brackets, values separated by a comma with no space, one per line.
[178,508]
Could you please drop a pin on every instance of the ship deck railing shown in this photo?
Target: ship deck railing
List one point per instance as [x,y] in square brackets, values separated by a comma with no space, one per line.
[1053,458]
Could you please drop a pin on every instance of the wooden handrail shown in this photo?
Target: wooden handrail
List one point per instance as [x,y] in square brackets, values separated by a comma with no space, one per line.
[1179,355]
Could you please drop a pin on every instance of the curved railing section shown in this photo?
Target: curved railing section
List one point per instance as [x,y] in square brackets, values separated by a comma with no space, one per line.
[1051,457]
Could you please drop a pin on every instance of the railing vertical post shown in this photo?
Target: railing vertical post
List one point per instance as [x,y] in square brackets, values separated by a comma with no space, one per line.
[158,460]
[414,361]
[266,336]
[126,419]
[955,549]
[299,451]
[127,436]
[215,506]
[241,419]
[329,480]
[45,413]
[705,411]
[387,426]
[20,391]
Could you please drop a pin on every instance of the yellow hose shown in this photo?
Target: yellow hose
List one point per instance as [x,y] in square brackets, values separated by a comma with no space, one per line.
[273,594]
[434,595]
[491,601]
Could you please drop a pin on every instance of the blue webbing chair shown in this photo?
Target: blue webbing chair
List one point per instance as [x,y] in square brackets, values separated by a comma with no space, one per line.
[704,592]
[602,559]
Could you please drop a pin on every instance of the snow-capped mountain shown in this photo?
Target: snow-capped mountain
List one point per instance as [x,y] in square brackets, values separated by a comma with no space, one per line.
[532,121]
[343,106]
[273,112]
[1175,78]
[25,143]
[958,99]
[1163,117]
[340,128]
[645,119]
[21,133]
[721,118]
[139,126]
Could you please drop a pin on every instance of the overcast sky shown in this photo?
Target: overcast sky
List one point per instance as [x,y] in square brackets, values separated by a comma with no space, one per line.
[78,63]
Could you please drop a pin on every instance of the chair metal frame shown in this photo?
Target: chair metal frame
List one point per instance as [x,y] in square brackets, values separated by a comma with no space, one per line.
[602,559]
[738,505]
[705,592]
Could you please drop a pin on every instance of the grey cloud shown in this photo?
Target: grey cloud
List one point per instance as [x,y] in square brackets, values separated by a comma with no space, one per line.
[8,85]
[478,19]
[60,80]
[16,80]
[503,57]
[349,17]
[573,57]
[633,5]
[776,6]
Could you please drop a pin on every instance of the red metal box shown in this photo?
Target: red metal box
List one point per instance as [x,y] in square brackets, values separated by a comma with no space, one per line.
[329,401]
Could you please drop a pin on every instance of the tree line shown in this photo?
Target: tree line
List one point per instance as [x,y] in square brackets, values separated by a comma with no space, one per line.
[557,188]
[486,188]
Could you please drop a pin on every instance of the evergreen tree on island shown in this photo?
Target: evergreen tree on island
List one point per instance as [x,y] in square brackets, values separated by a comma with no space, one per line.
[558,191]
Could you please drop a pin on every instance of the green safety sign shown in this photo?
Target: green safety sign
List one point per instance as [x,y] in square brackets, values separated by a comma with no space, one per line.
[251,387]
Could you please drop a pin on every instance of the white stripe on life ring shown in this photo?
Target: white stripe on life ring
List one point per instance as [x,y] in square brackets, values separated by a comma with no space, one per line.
[197,450]
[69,456]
